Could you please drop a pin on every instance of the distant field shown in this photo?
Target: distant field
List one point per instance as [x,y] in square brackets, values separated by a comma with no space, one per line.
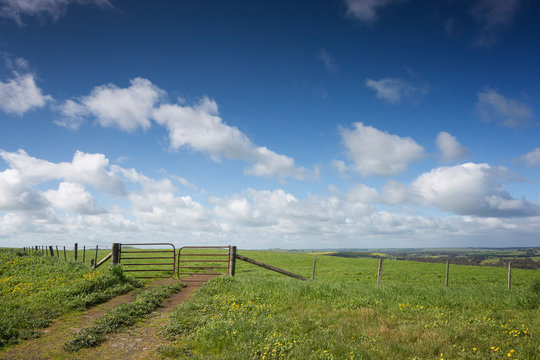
[525,258]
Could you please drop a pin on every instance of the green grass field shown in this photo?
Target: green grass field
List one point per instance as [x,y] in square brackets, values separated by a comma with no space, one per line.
[36,289]
[343,314]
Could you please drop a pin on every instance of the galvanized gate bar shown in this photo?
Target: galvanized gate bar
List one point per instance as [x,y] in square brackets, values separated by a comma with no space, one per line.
[152,266]
[204,268]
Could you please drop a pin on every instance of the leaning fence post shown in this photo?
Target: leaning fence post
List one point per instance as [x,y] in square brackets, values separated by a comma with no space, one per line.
[380,272]
[76,250]
[509,275]
[314,265]
[447,269]
[115,253]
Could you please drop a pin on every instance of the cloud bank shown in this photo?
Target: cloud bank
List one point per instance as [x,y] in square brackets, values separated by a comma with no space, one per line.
[59,200]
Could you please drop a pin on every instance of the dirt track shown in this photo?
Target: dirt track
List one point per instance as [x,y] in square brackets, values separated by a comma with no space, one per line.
[137,342]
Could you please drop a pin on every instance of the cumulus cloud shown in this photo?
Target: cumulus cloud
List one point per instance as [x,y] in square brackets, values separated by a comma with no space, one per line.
[87,169]
[198,126]
[449,148]
[72,197]
[375,152]
[494,17]
[396,90]
[20,94]
[470,189]
[16,9]
[16,194]
[158,205]
[126,108]
[201,128]
[532,158]
[366,10]
[492,106]
[154,205]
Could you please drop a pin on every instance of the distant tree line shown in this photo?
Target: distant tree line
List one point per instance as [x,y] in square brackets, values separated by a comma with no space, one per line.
[522,260]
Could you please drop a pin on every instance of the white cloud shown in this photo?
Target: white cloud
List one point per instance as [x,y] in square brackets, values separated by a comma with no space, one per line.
[16,9]
[328,60]
[450,149]
[396,90]
[470,189]
[493,16]
[87,169]
[532,158]
[73,115]
[262,218]
[198,127]
[375,152]
[395,193]
[126,108]
[201,128]
[157,205]
[366,10]
[493,106]
[16,194]
[20,94]
[73,198]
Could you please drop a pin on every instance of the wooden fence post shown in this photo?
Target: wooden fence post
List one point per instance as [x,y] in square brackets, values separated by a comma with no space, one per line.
[57,253]
[76,250]
[115,254]
[84,254]
[314,265]
[51,251]
[509,275]
[232,260]
[95,258]
[65,256]
[92,263]
[380,272]
[447,270]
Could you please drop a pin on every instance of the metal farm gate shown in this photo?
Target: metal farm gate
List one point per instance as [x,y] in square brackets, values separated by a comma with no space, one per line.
[196,261]
[148,260]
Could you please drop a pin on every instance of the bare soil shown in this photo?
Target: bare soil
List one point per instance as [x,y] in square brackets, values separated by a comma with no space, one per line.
[137,342]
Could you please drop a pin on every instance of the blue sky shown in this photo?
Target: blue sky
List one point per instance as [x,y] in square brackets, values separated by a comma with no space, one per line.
[321,124]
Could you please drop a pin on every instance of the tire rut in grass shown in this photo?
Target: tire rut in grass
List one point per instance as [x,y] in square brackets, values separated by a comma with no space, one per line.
[142,340]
